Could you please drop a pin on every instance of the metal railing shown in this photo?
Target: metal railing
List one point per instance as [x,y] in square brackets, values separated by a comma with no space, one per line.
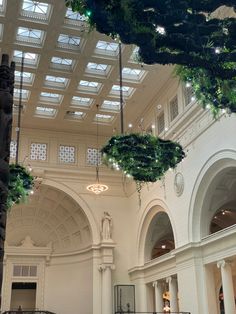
[27,312]
[131,312]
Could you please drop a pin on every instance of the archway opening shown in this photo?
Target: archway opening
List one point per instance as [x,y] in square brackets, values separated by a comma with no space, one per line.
[219,202]
[160,237]
[224,217]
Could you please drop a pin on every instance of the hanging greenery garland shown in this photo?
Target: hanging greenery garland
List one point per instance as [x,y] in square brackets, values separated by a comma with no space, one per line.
[20,185]
[212,92]
[143,157]
[188,33]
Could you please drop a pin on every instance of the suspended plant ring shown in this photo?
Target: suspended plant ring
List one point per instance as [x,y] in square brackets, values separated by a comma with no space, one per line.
[143,157]
[20,185]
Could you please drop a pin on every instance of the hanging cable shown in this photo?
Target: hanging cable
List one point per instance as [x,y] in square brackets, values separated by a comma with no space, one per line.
[19,109]
[121,90]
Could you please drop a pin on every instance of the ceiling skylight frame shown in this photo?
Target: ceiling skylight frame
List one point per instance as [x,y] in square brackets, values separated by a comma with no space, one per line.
[97,69]
[89,87]
[47,97]
[59,63]
[3,7]
[76,20]
[28,77]
[30,59]
[30,35]
[106,48]
[104,118]
[24,92]
[127,91]
[35,10]
[110,105]
[133,75]
[75,115]
[134,58]
[66,41]
[45,112]
[84,102]
[56,81]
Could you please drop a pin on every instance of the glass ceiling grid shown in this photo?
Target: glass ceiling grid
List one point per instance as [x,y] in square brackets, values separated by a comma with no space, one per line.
[71,83]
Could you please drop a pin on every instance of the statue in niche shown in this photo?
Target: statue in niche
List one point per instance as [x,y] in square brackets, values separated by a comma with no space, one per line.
[106,226]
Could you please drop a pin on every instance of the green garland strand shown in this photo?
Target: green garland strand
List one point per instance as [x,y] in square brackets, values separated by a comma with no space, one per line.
[212,92]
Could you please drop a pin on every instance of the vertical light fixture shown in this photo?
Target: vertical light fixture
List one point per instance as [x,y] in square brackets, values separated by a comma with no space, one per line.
[97,187]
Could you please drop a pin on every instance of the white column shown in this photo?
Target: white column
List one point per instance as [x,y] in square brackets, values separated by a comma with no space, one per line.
[173,293]
[158,289]
[141,293]
[106,289]
[227,285]
[210,288]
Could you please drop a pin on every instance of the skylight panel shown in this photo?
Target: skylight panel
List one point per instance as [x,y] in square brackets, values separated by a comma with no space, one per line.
[81,101]
[127,91]
[51,97]
[27,77]
[56,81]
[29,32]
[105,118]
[75,115]
[107,48]
[135,55]
[30,35]
[62,61]
[45,111]
[35,7]
[111,105]
[97,68]
[88,86]
[24,93]
[29,58]
[2,6]
[132,74]
[68,41]
[74,15]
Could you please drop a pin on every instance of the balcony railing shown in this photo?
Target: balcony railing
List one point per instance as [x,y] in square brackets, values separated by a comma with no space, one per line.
[27,312]
[131,312]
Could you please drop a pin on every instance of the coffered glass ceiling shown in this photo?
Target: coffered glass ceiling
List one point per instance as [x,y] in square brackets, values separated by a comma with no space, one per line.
[69,69]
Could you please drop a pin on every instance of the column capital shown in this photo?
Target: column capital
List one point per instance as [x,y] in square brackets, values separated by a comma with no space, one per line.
[103,267]
[154,284]
[222,263]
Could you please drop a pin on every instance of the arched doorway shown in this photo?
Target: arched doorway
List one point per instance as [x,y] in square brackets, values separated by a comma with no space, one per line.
[51,234]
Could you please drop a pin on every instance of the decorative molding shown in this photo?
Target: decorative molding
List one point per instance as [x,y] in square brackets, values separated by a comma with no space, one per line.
[179,184]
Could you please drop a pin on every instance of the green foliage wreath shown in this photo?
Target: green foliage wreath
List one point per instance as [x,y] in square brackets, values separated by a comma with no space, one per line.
[143,156]
[20,185]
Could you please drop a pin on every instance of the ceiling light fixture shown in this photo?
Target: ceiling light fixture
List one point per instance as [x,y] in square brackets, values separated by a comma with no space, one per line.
[97,187]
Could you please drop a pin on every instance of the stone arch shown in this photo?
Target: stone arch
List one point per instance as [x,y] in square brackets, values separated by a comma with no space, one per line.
[54,214]
[218,167]
[154,208]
